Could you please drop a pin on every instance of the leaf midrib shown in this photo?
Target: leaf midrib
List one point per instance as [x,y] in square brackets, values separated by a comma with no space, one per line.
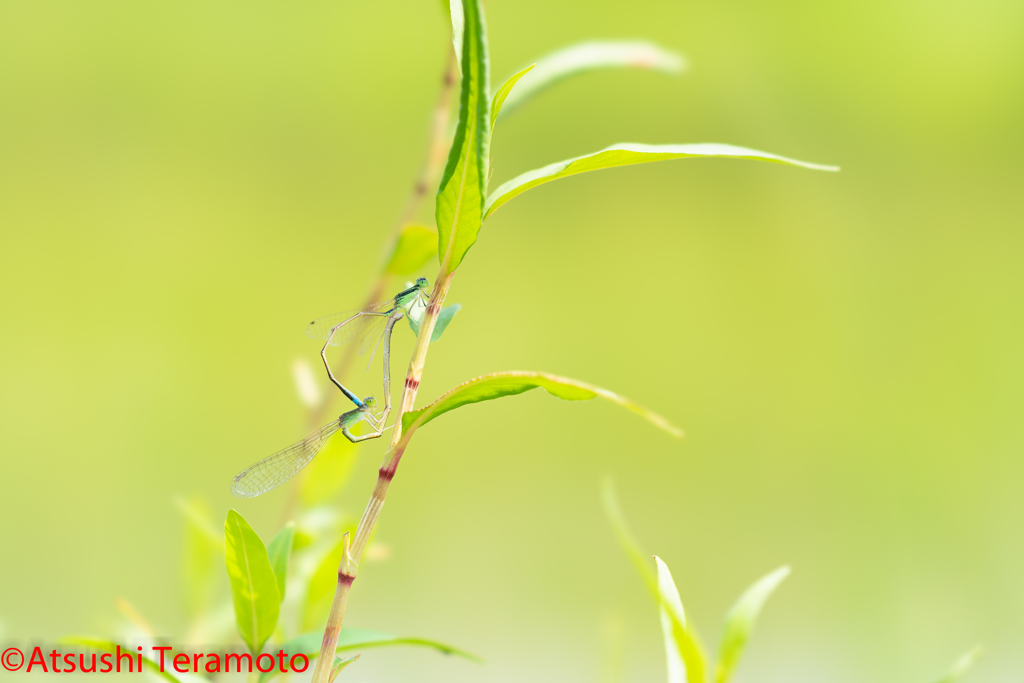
[252,593]
[470,128]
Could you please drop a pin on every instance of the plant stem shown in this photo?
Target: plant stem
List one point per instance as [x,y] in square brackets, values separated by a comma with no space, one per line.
[329,644]
[433,163]
[395,449]
[350,563]
[436,156]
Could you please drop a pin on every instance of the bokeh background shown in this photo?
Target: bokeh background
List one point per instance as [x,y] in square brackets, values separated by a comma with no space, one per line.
[184,185]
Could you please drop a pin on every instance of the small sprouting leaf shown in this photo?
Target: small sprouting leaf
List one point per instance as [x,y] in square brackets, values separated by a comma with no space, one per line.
[671,611]
[443,318]
[589,56]
[357,638]
[637,556]
[460,197]
[683,636]
[740,621]
[962,665]
[499,384]
[677,633]
[279,550]
[627,154]
[502,94]
[415,245]
[253,583]
[340,664]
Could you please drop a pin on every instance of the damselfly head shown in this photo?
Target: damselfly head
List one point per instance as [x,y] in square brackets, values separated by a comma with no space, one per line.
[421,283]
[369,401]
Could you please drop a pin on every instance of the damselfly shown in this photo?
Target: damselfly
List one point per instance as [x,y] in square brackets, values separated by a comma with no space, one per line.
[366,327]
[373,323]
[278,468]
[366,324]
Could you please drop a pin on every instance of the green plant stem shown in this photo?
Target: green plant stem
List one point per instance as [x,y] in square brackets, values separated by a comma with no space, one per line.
[437,155]
[329,645]
[350,563]
[433,163]
[397,446]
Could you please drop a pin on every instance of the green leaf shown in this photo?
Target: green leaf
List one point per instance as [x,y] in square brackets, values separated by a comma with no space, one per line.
[253,583]
[682,647]
[152,664]
[962,665]
[460,197]
[681,640]
[359,639]
[458,28]
[626,154]
[503,91]
[499,384]
[321,587]
[443,318]
[279,550]
[415,245]
[203,547]
[638,557]
[578,59]
[672,607]
[328,473]
[340,664]
[740,621]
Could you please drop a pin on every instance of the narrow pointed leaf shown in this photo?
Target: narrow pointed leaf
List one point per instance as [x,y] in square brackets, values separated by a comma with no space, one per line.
[415,245]
[322,584]
[359,639]
[637,556]
[502,94]
[253,583]
[740,621]
[279,550]
[443,318]
[962,666]
[683,636]
[499,384]
[671,612]
[590,56]
[458,28]
[340,664]
[627,154]
[460,197]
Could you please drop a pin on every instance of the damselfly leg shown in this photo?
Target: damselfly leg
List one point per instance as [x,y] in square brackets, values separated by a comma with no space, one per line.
[372,317]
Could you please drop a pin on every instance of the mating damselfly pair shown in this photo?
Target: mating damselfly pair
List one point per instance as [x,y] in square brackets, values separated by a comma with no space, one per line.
[369,327]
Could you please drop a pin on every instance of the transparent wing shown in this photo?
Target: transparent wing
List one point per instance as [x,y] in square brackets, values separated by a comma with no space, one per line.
[274,470]
[362,324]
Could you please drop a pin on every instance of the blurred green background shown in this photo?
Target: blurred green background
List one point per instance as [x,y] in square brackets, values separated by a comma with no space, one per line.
[184,185]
